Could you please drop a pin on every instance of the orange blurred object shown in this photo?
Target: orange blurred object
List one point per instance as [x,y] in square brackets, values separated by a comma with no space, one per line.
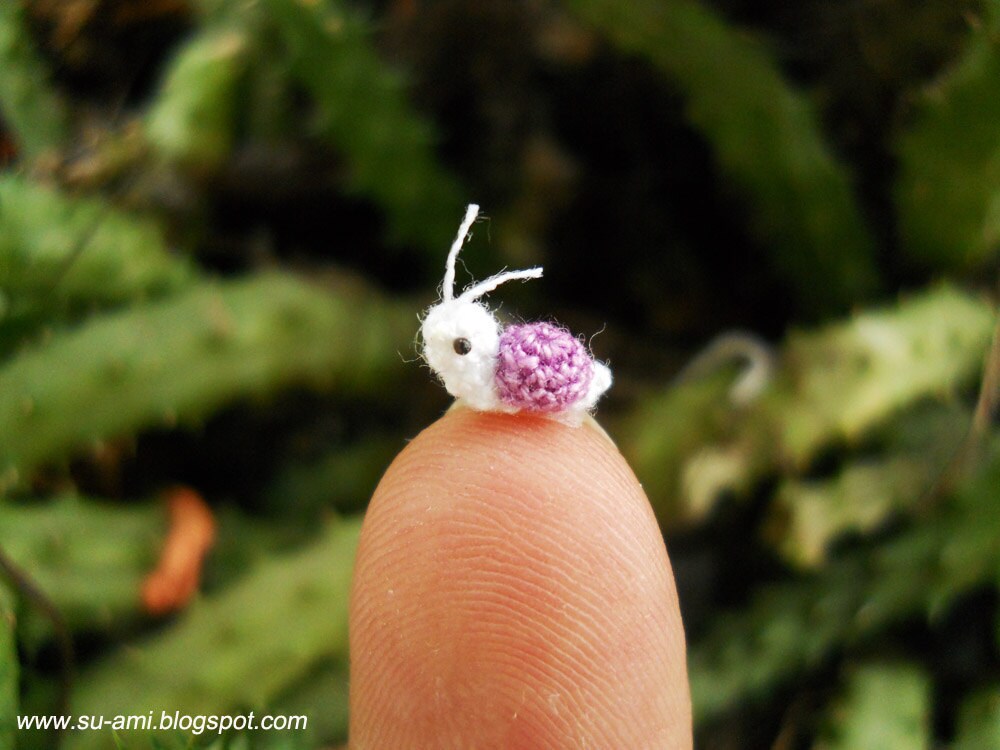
[192,532]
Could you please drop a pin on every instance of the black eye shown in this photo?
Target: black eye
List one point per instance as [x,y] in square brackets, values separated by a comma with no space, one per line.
[462,346]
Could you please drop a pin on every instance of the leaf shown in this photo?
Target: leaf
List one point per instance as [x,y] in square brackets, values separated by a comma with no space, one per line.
[766,139]
[192,120]
[236,650]
[29,106]
[979,721]
[832,386]
[793,627]
[845,379]
[9,672]
[664,441]
[57,251]
[886,706]
[948,190]
[808,514]
[88,558]
[362,110]
[183,357]
[323,697]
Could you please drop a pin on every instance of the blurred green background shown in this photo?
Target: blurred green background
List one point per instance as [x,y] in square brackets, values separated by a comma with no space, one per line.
[219,220]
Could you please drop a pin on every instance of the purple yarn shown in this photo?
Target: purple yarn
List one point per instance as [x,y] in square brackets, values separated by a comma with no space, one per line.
[542,368]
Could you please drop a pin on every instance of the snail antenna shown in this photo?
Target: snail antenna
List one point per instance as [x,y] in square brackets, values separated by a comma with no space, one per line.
[448,288]
[485,287]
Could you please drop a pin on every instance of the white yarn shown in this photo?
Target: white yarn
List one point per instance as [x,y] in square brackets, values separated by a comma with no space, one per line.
[485,287]
[598,385]
[448,288]
[469,377]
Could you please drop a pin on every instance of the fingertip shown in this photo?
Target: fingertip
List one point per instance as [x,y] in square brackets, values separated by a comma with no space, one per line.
[512,589]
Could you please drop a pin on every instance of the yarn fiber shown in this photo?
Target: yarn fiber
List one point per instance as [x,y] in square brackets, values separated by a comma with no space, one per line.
[542,368]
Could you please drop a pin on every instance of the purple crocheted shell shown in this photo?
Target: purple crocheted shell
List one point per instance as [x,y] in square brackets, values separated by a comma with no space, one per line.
[542,368]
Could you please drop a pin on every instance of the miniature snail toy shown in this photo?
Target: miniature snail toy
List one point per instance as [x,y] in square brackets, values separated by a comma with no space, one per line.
[539,368]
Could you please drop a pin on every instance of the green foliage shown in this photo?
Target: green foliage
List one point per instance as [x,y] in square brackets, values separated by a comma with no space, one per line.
[9,687]
[847,378]
[765,138]
[362,110]
[59,251]
[193,120]
[665,443]
[793,627]
[112,341]
[236,650]
[949,187]
[182,358]
[808,515]
[88,558]
[833,386]
[979,722]
[322,696]
[812,513]
[885,706]
[34,112]
[343,479]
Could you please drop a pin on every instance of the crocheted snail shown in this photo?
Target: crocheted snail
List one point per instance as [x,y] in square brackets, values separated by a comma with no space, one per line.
[539,368]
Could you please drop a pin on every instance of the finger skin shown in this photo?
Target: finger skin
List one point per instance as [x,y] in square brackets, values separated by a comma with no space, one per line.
[512,590]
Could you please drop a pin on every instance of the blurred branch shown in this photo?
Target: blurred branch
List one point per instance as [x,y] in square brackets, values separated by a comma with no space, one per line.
[885,706]
[192,121]
[57,250]
[9,672]
[766,139]
[343,479]
[791,627]
[948,190]
[970,449]
[238,649]
[89,558]
[989,394]
[184,357]
[361,109]
[35,597]
[979,721]
[832,386]
[28,105]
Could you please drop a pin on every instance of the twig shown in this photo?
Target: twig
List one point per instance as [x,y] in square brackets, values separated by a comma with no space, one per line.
[989,392]
[970,449]
[26,586]
[736,345]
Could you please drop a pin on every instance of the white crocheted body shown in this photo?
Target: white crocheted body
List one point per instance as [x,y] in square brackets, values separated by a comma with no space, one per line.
[470,376]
